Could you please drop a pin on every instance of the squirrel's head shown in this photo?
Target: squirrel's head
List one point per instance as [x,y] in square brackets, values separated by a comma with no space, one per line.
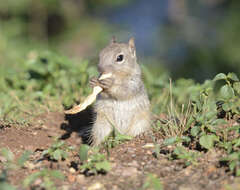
[119,58]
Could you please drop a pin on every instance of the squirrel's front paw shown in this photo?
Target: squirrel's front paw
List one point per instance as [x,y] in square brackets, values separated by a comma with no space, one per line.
[94,82]
[106,83]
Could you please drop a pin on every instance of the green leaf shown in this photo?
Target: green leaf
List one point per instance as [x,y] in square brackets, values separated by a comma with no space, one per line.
[185,139]
[219,122]
[58,144]
[227,92]
[179,150]
[56,174]
[169,141]
[6,186]
[227,146]
[45,152]
[236,142]
[83,152]
[57,154]
[24,157]
[238,172]
[121,137]
[105,165]
[232,76]
[152,182]
[232,165]
[207,141]
[64,154]
[157,150]
[6,153]
[236,87]
[232,157]
[227,106]
[211,114]
[31,178]
[195,131]
[220,76]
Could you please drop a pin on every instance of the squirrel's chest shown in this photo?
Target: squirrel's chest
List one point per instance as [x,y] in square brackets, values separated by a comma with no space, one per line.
[122,111]
[123,114]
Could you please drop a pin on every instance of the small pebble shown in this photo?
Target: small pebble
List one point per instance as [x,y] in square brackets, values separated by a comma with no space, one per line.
[71,178]
[81,179]
[96,186]
[72,170]
[130,171]
[65,187]
[148,145]
[37,182]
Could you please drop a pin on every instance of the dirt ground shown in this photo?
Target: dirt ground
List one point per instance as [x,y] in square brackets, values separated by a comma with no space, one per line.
[130,161]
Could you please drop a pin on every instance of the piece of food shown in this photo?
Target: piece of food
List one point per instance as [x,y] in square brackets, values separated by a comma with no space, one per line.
[90,99]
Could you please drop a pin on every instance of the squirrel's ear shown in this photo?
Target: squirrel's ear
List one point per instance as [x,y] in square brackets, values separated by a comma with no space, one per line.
[113,40]
[131,45]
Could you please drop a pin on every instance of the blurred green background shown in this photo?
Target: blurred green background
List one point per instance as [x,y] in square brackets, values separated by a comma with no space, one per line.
[185,38]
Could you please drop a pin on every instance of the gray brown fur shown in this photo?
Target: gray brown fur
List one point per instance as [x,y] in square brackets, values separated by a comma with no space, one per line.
[123,103]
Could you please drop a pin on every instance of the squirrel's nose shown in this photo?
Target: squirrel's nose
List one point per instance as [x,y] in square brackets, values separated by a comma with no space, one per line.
[103,68]
[100,68]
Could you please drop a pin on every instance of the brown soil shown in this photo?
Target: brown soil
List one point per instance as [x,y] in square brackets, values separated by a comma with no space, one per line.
[130,161]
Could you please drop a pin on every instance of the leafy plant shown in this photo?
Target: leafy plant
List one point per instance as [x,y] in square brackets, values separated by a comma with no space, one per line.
[57,151]
[10,159]
[230,92]
[176,140]
[207,141]
[115,138]
[190,157]
[4,185]
[233,160]
[47,176]
[45,77]
[152,182]
[93,162]
[10,164]
[206,124]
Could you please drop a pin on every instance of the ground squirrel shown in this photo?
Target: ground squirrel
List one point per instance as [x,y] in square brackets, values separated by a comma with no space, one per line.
[123,103]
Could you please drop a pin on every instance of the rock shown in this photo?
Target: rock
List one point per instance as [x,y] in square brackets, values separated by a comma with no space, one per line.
[134,163]
[71,178]
[211,169]
[72,170]
[65,187]
[81,179]
[115,187]
[130,171]
[148,145]
[35,133]
[149,152]
[44,127]
[96,186]
[184,188]
[2,159]
[29,165]
[37,182]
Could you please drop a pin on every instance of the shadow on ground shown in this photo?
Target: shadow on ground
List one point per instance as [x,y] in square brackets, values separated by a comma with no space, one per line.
[80,123]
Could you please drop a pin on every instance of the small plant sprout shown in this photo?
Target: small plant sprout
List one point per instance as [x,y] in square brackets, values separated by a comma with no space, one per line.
[93,162]
[152,183]
[58,151]
[11,164]
[46,176]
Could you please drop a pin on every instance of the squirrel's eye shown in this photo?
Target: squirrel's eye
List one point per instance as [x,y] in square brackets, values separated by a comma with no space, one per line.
[119,58]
